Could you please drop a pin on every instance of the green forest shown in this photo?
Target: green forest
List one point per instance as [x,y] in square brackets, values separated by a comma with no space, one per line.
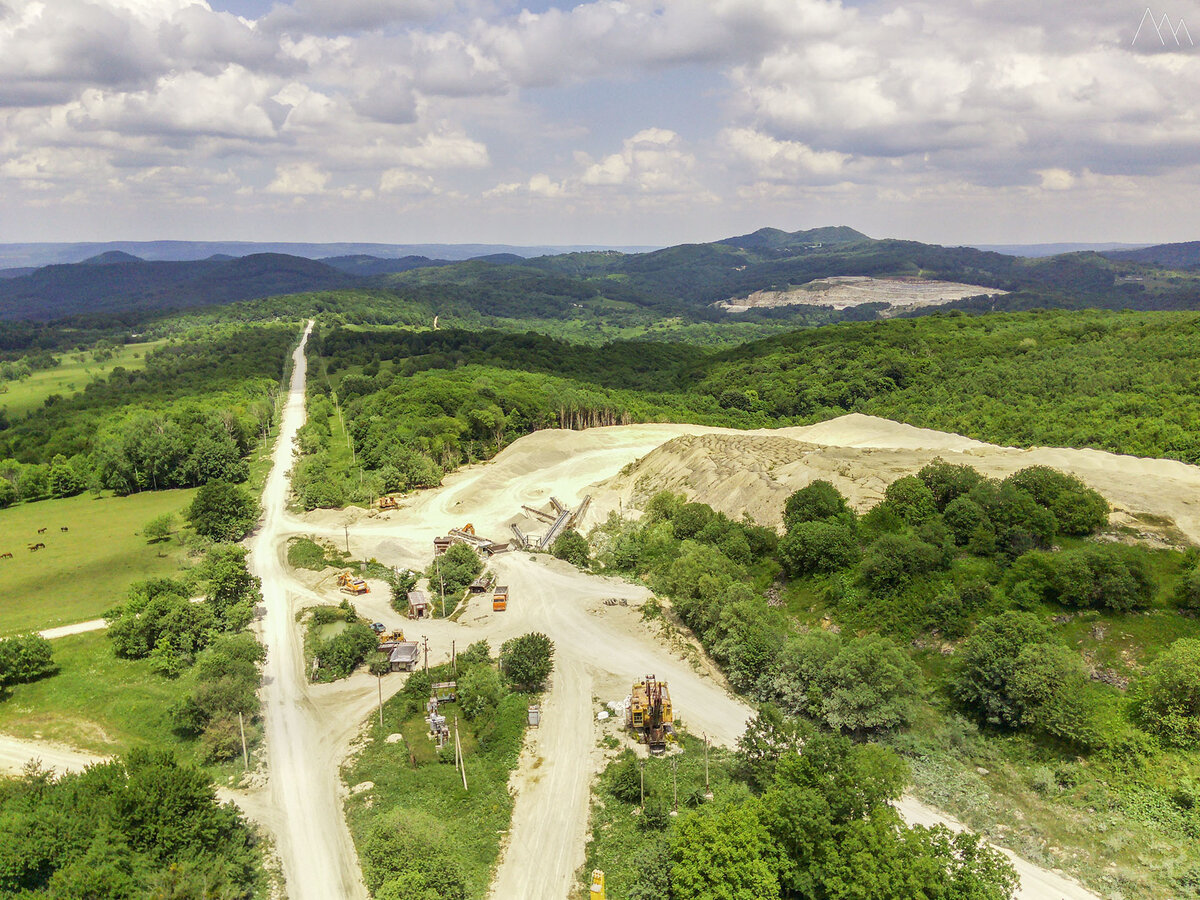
[414,405]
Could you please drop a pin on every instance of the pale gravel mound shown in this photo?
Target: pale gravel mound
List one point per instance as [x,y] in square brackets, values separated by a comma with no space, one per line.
[752,473]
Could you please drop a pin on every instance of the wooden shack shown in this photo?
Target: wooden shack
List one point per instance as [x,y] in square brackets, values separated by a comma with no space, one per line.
[419,605]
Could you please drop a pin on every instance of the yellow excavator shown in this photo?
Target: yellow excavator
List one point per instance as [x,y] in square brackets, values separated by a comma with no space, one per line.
[650,716]
[352,584]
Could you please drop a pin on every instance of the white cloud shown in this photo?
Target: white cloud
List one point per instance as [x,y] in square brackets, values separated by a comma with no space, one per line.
[1056,179]
[299,179]
[406,181]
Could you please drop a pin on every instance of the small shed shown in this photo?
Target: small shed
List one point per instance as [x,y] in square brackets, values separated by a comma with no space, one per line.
[441,544]
[482,583]
[444,691]
[419,605]
[404,656]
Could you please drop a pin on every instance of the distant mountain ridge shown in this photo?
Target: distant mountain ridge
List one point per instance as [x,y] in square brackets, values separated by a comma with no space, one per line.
[44,254]
[1171,256]
[112,285]
[687,280]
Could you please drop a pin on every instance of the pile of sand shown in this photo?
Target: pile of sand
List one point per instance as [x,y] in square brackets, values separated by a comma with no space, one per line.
[752,473]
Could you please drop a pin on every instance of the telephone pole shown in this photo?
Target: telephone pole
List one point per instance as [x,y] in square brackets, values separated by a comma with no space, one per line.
[425,640]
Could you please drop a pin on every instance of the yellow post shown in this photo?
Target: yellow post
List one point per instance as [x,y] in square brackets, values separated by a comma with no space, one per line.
[597,885]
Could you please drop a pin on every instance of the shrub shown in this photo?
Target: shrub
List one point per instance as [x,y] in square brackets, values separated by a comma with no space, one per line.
[455,569]
[893,560]
[24,658]
[222,511]
[912,499]
[818,546]
[1187,592]
[572,547]
[869,685]
[527,660]
[1167,695]
[815,501]
[1077,508]
[948,482]
[479,691]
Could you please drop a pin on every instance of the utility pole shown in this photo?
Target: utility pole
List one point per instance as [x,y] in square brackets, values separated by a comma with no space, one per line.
[242,727]
[453,660]
[425,640]
[708,794]
[379,682]
[441,583]
[674,786]
[643,804]
[347,529]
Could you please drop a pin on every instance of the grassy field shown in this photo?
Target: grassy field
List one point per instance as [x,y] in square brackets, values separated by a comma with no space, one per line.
[616,835]
[69,377]
[97,702]
[413,788]
[83,571]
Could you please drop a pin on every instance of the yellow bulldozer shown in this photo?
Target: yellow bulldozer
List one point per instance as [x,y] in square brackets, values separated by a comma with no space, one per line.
[386,502]
[649,715]
[352,584]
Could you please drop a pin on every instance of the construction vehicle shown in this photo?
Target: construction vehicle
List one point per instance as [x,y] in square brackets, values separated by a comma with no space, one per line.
[500,598]
[352,584]
[389,503]
[391,637]
[597,890]
[650,715]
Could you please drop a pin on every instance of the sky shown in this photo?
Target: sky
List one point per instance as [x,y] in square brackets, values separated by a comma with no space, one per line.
[604,122]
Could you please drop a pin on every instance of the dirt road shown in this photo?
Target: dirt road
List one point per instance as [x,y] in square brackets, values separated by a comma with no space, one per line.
[78,628]
[313,842]
[15,753]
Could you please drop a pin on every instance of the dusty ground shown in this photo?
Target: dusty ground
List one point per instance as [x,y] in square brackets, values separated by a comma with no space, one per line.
[845,291]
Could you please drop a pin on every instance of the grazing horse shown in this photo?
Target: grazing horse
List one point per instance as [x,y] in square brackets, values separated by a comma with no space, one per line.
[41,531]
[5,556]
[64,528]
[33,547]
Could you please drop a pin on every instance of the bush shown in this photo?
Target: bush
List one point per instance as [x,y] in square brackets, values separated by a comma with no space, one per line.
[479,692]
[1167,695]
[527,660]
[912,500]
[24,658]
[870,685]
[819,546]
[455,570]
[964,517]
[1077,508]
[815,501]
[222,511]
[345,651]
[1187,592]
[305,553]
[572,547]
[624,778]
[948,482]
[893,560]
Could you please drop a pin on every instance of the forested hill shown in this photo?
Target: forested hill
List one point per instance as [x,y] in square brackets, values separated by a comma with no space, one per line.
[1169,256]
[124,286]
[682,282]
